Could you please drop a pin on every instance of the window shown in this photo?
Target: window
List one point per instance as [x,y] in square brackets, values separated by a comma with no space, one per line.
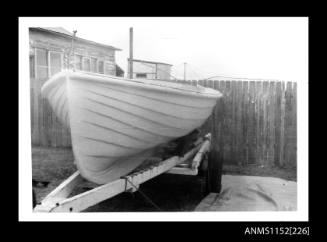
[45,63]
[41,63]
[78,62]
[86,64]
[140,75]
[55,62]
[101,67]
[94,65]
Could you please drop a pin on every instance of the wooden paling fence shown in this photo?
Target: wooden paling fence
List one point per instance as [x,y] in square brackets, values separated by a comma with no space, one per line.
[254,122]
[46,129]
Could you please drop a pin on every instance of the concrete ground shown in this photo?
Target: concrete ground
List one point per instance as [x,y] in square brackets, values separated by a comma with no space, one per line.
[252,193]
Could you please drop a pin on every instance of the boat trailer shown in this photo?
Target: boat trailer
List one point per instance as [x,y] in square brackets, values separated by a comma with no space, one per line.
[195,160]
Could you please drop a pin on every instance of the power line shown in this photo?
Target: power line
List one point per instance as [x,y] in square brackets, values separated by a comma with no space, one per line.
[178,72]
[222,76]
[198,69]
[198,76]
[229,77]
[241,78]
[174,66]
[186,65]
[191,69]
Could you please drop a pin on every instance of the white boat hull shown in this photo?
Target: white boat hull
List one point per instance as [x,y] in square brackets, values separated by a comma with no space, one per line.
[116,123]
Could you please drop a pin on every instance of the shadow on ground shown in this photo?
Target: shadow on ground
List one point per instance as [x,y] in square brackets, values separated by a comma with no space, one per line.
[168,193]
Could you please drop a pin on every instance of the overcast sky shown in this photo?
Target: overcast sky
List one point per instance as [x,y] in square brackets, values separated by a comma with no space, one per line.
[267,48]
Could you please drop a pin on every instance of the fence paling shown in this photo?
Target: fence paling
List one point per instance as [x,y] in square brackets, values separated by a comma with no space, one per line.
[46,129]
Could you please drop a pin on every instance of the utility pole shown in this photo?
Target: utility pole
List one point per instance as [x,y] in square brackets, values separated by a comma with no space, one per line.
[131,53]
[71,60]
[156,75]
[184,71]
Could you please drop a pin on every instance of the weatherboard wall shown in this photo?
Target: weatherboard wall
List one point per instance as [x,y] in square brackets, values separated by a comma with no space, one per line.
[53,42]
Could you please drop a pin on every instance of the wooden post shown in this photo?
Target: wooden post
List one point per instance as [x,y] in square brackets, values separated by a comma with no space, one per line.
[251,123]
[282,126]
[184,71]
[245,119]
[272,112]
[131,53]
[233,122]
[36,107]
[260,118]
[278,123]
[294,120]
[238,120]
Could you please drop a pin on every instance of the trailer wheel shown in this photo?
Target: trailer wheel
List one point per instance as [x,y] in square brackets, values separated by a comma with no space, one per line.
[204,174]
[214,171]
[34,199]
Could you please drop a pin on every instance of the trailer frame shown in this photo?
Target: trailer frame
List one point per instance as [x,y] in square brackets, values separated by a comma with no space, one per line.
[59,201]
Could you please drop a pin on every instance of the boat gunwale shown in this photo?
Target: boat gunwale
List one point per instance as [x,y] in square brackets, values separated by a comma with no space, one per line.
[207,93]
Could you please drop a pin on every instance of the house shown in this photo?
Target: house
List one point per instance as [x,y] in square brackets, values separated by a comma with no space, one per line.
[150,69]
[50,49]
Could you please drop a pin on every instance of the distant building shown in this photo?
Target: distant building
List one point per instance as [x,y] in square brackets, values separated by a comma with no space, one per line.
[51,47]
[151,70]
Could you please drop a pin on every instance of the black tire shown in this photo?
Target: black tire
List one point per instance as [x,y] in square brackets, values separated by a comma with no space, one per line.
[214,171]
[204,174]
[34,199]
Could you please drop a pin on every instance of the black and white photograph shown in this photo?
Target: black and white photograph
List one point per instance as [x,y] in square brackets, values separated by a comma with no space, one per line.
[163,118]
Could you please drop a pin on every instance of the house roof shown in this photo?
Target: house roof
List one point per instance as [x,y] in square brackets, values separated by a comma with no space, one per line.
[65,33]
[150,62]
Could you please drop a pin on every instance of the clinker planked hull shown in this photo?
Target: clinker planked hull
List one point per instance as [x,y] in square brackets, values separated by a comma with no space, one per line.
[116,123]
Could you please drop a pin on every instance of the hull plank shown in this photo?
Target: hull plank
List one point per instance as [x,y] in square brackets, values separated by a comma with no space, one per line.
[116,123]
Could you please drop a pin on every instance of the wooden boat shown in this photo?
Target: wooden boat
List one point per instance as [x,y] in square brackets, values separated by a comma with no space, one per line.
[116,123]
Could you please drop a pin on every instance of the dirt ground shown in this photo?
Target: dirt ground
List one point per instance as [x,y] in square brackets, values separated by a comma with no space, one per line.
[169,192]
